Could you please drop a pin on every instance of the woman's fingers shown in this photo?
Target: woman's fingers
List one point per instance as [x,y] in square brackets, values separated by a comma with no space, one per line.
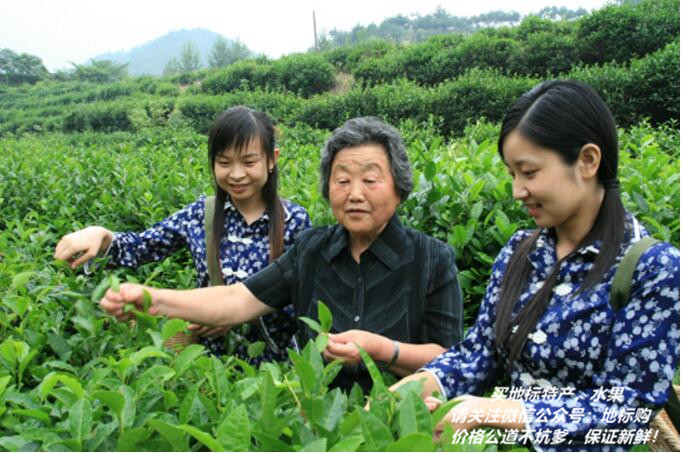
[432,403]
[347,352]
[86,256]
[82,245]
[114,302]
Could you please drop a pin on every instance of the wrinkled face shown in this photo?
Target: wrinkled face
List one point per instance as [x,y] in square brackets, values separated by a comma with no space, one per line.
[362,190]
[551,190]
[243,173]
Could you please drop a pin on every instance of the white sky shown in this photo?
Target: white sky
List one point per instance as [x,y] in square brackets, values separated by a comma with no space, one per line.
[64,31]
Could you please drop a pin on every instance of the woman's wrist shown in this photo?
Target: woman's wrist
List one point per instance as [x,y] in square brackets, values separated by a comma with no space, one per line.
[158,301]
[107,238]
[391,360]
[381,349]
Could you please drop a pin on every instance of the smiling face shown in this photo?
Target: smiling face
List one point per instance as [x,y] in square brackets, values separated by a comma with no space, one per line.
[362,191]
[243,173]
[555,194]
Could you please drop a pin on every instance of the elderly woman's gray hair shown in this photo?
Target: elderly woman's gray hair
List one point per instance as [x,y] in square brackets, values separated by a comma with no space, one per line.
[364,131]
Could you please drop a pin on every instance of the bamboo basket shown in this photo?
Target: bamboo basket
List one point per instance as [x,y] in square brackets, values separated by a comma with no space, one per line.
[668,437]
[180,340]
[177,342]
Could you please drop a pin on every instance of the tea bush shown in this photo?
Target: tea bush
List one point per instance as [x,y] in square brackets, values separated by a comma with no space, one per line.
[72,379]
[646,88]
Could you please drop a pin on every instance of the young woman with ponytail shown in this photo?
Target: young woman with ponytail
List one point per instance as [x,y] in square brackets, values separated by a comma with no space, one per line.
[576,372]
[251,227]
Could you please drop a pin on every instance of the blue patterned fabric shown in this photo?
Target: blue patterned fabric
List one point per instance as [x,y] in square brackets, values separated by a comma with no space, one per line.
[244,251]
[612,368]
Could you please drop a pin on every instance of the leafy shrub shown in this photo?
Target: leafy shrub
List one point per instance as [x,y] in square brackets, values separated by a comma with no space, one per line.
[242,75]
[475,95]
[484,51]
[201,111]
[648,88]
[303,74]
[104,116]
[346,58]
[547,47]
[377,70]
[330,111]
[113,91]
[400,100]
[167,89]
[620,33]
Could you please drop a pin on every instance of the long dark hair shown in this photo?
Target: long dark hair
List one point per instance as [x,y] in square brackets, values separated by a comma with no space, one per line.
[235,128]
[561,116]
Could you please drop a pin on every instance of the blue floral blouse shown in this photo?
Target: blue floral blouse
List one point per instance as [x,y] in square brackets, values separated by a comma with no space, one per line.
[244,251]
[589,378]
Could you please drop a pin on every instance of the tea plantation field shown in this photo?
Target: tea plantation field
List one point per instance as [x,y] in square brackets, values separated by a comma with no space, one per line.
[72,378]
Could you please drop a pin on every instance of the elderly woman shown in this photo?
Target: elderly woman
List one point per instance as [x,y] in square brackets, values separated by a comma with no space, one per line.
[392,290]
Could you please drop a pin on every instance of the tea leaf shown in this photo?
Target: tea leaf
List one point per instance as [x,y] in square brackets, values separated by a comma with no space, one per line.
[255,349]
[203,437]
[413,442]
[187,357]
[234,432]
[114,400]
[19,280]
[312,324]
[175,436]
[413,416]
[80,419]
[325,317]
[171,327]
[376,434]
[350,443]
[114,283]
[147,301]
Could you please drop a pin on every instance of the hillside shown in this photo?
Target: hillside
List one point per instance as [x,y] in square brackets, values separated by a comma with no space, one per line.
[151,58]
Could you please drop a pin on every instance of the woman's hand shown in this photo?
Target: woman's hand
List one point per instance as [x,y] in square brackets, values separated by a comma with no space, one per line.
[129,293]
[343,346]
[83,245]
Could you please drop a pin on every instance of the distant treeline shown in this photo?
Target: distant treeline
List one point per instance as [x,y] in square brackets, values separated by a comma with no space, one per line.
[628,53]
[403,29]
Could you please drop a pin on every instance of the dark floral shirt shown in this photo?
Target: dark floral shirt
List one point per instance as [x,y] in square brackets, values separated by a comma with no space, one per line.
[588,373]
[244,251]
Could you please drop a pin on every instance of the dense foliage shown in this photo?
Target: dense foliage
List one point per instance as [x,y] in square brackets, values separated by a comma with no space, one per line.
[72,379]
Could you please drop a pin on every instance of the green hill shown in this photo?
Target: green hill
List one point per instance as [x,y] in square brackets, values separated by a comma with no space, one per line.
[151,58]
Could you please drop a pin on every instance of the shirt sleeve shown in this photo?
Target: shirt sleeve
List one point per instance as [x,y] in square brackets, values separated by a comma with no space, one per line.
[443,317]
[131,249]
[467,366]
[274,285]
[298,222]
[637,373]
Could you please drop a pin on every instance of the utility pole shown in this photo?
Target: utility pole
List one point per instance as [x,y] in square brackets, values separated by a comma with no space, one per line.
[314,29]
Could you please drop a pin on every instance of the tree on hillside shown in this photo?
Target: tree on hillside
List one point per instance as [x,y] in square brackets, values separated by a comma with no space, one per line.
[16,69]
[561,13]
[418,28]
[224,53]
[190,58]
[172,67]
[100,71]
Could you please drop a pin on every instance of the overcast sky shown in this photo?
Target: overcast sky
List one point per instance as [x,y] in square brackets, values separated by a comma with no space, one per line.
[64,31]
